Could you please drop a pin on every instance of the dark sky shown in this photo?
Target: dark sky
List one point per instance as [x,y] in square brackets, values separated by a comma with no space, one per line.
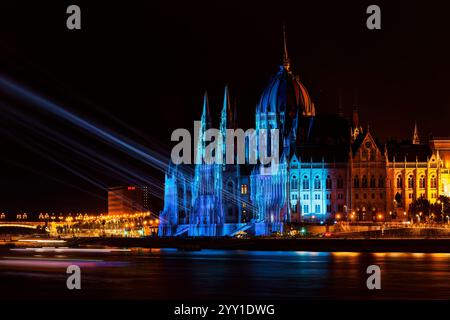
[140,68]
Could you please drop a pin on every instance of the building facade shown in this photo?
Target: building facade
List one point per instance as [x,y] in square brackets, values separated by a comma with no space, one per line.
[127,200]
[330,168]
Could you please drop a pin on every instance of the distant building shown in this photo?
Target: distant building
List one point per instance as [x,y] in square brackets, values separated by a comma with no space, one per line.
[127,200]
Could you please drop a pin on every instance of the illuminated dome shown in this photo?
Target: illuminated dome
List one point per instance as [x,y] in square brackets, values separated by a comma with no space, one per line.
[286,94]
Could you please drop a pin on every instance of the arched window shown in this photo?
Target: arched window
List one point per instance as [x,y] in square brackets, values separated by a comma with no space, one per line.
[317,183]
[372,182]
[411,182]
[340,183]
[433,183]
[422,182]
[305,183]
[294,182]
[329,183]
[399,182]
[380,182]
[356,181]
[364,182]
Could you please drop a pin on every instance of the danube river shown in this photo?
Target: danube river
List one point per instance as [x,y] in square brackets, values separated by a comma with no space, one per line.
[221,274]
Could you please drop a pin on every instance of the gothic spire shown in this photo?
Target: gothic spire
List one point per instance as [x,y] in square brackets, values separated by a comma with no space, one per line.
[206,115]
[415,139]
[286,60]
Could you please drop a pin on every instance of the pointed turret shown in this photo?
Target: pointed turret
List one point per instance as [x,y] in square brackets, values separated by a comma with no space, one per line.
[286,60]
[355,118]
[415,139]
[206,114]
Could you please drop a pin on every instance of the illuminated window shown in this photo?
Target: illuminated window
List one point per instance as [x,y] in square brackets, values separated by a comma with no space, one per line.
[340,183]
[433,183]
[329,183]
[380,182]
[410,182]
[317,183]
[372,182]
[244,189]
[305,183]
[356,181]
[364,182]
[294,182]
[422,182]
[399,182]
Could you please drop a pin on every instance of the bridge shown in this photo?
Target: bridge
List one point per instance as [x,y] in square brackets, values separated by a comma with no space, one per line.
[21,224]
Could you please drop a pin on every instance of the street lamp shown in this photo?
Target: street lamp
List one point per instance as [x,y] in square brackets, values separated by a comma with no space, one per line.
[442,208]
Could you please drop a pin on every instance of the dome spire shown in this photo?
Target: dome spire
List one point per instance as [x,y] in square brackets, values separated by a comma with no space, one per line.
[416,139]
[286,61]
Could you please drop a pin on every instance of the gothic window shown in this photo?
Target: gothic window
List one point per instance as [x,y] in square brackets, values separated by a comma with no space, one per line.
[380,182]
[433,183]
[372,182]
[410,182]
[317,183]
[305,183]
[340,183]
[230,186]
[364,182]
[329,183]
[399,182]
[422,182]
[294,182]
[356,181]
[364,155]
[373,155]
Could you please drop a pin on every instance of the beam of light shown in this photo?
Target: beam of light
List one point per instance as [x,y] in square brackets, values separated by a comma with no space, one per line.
[42,241]
[71,250]
[120,143]
[17,226]
[154,159]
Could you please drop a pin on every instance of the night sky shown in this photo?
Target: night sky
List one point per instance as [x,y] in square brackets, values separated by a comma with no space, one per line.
[139,68]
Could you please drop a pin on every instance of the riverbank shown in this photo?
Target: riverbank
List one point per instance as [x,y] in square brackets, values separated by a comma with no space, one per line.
[275,244]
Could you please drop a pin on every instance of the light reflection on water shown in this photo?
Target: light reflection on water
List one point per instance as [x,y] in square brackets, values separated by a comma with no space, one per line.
[222,274]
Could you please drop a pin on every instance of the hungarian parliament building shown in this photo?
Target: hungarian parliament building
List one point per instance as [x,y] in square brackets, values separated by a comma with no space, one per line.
[330,167]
